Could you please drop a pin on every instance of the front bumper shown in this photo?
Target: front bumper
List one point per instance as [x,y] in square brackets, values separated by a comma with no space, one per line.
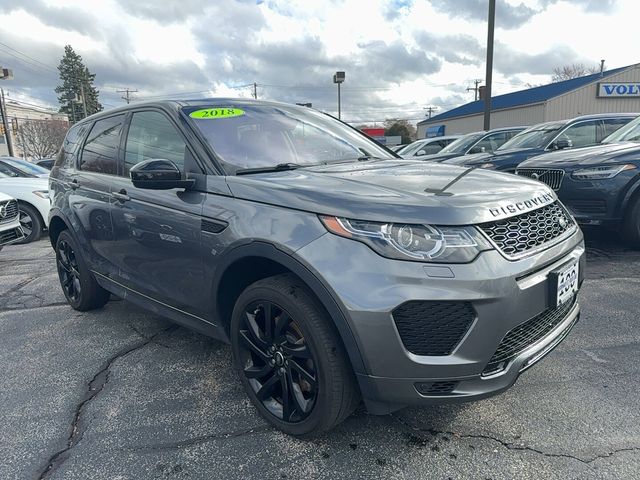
[503,293]
[596,202]
[10,232]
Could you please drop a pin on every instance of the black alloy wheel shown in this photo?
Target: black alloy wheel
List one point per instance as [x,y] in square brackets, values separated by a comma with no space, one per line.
[68,271]
[277,361]
[30,223]
[78,283]
[290,358]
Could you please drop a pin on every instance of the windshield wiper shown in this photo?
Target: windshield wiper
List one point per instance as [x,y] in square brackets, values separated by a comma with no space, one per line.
[280,167]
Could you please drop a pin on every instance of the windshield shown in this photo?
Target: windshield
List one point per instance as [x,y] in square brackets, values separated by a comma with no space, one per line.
[462,144]
[629,133]
[25,166]
[258,136]
[537,136]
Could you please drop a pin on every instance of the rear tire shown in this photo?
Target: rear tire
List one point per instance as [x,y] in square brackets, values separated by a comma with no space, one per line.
[290,358]
[30,222]
[631,226]
[78,283]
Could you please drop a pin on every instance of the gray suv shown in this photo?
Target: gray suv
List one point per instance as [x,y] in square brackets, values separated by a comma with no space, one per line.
[337,271]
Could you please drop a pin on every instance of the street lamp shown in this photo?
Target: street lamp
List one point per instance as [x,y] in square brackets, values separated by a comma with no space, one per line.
[338,78]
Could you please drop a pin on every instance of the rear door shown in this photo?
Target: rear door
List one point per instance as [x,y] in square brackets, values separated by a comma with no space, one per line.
[90,192]
[158,232]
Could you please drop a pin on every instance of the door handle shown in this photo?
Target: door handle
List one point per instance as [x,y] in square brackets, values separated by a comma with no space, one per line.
[74,184]
[121,196]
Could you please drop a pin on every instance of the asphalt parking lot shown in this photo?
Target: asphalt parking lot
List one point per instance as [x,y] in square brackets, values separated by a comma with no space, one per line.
[120,393]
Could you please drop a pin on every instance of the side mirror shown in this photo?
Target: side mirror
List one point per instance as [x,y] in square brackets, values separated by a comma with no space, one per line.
[562,143]
[419,153]
[478,149]
[158,174]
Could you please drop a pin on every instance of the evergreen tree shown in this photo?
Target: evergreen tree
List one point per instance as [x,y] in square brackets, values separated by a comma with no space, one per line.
[76,79]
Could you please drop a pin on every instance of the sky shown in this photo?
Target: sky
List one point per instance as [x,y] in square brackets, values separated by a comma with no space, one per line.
[400,56]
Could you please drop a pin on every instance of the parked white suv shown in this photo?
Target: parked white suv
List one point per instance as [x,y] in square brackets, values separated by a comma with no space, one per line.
[32,194]
[10,230]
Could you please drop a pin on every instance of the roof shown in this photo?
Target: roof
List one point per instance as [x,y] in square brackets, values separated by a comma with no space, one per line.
[524,97]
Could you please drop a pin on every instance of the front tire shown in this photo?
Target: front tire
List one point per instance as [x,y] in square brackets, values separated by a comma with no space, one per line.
[290,359]
[30,222]
[631,227]
[78,283]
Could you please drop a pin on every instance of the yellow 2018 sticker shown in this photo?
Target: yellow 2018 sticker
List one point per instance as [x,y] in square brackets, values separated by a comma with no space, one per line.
[207,113]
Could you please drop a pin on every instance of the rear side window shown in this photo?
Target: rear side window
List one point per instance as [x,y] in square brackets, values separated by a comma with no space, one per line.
[152,135]
[101,147]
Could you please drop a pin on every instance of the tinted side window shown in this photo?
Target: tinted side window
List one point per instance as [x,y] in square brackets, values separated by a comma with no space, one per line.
[581,134]
[613,124]
[152,135]
[490,143]
[100,150]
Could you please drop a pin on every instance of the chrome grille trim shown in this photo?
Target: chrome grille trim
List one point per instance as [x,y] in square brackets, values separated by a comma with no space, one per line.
[528,233]
[10,209]
[550,176]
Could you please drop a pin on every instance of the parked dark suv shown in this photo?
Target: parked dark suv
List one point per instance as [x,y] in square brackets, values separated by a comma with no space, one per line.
[600,184]
[547,137]
[336,270]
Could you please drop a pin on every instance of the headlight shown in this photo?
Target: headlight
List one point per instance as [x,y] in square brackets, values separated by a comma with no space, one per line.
[425,243]
[487,165]
[42,193]
[600,173]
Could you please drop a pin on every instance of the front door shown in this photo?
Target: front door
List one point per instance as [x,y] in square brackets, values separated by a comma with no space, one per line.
[158,231]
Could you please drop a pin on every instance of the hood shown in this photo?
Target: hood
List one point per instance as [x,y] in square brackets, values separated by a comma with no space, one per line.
[5,197]
[396,191]
[584,157]
[15,186]
[437,157]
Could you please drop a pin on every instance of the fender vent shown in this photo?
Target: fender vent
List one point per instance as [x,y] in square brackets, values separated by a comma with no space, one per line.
[213,226]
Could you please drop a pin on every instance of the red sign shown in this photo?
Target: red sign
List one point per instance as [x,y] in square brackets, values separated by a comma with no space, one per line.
[374,132]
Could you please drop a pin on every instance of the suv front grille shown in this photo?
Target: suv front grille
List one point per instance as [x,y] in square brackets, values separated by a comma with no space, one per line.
[515,236]
[433,328]
[552,177]
[8,211]
[526,334]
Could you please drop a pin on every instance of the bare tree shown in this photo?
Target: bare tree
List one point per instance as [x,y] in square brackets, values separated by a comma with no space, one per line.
[41,138]
[575,70]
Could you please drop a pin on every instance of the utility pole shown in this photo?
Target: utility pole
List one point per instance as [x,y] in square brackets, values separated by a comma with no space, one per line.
[475,89]
[489,74]
[430,110]
[255,90]
[127,91]
[84,100]
[5,124]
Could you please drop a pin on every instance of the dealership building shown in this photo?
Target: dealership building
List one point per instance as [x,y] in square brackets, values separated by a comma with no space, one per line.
[615,90]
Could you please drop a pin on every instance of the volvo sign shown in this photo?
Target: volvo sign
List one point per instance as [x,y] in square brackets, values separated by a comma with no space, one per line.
[616,90]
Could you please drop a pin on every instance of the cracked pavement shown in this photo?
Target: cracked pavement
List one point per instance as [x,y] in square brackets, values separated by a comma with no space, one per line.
[120,393]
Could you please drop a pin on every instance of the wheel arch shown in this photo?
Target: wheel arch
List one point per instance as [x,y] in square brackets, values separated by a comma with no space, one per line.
[58,223]
[631,197]
[249,263]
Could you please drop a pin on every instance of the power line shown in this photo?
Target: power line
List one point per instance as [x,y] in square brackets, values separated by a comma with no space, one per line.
[30,58]
[127,91]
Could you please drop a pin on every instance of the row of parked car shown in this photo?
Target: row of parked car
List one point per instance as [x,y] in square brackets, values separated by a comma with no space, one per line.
[24,200]
[592,162]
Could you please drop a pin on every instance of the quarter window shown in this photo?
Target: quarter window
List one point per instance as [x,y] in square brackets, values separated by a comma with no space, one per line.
[613,124]
[100,150]
[151,135]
